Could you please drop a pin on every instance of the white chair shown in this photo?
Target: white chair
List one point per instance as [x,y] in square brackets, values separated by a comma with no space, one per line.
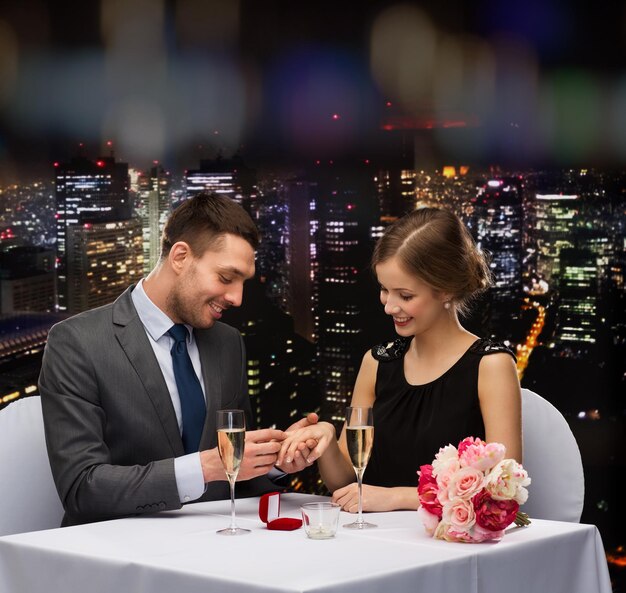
[28,497]
[552,460]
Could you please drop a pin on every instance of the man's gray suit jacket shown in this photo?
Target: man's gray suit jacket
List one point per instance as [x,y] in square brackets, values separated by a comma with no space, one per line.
[111,430]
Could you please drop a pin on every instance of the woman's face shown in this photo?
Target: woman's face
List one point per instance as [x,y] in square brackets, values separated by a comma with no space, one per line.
[414,306]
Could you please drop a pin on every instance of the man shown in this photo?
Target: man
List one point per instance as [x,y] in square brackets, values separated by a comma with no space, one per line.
[130,390]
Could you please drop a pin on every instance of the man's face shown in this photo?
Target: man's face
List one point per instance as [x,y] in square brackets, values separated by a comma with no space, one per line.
[211,283]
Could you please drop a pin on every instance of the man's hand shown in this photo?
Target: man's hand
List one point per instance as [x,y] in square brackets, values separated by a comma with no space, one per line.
[299,461]
[259,456]
[260,453]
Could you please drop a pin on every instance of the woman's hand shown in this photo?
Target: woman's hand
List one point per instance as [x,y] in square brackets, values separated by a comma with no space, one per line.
[315,438]
[375,498]
[299,460]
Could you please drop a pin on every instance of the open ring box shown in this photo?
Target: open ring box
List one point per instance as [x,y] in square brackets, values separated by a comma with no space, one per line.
[269,513]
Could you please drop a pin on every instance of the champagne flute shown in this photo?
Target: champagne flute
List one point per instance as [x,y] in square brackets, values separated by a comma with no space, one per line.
[231,438]
[360,438]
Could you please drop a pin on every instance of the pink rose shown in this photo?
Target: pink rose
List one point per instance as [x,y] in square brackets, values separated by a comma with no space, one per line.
[429,520]
[459,514]
[453,534]
[467,442]
[426,474]
[465,483]
[428,498]
[480,534]
[427,490]
[492,514]
[480,455]
[442,482]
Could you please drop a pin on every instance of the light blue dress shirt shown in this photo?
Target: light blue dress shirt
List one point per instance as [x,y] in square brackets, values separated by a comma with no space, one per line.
[188,469]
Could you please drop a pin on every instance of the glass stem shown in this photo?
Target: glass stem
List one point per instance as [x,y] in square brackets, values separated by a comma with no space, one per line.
[231,481]
[359,479]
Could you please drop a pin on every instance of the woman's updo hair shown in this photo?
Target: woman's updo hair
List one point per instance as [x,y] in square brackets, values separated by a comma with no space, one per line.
[434,245]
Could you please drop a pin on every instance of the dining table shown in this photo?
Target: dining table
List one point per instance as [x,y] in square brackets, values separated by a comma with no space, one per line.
[180,551]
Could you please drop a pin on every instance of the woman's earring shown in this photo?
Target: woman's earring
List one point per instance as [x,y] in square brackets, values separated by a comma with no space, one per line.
[446,305]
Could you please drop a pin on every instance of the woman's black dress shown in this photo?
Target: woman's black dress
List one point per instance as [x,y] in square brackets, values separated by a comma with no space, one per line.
[412,422]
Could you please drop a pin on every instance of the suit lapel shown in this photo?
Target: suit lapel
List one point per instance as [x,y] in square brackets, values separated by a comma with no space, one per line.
[132,337]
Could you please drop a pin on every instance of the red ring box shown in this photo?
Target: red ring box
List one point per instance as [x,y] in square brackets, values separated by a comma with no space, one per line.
[269,512]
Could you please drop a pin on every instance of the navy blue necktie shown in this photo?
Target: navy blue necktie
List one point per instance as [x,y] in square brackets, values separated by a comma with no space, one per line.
[189,390]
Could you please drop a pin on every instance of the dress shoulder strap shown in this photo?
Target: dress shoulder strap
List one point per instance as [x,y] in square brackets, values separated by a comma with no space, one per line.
[488,346]
[388,351]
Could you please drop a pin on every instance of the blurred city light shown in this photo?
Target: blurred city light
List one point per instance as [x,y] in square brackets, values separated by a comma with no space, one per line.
[402,55]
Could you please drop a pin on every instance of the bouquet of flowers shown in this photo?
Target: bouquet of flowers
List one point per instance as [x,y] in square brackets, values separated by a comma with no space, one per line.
[471,494]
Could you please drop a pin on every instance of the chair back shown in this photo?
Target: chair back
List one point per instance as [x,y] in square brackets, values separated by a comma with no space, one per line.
[552,459]
[28,496]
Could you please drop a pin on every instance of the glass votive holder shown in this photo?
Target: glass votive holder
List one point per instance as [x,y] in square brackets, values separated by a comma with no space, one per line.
[320,519]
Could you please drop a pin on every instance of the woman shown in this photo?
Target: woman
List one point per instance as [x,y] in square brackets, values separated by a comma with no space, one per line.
[436,383]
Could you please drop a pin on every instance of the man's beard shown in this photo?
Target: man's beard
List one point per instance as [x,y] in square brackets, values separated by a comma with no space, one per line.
[181,306]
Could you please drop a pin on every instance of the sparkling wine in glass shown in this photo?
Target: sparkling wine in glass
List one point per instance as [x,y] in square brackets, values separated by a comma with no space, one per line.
[360,438]
[231,438]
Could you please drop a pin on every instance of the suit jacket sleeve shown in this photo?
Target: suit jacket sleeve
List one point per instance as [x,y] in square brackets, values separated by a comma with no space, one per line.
[97,435]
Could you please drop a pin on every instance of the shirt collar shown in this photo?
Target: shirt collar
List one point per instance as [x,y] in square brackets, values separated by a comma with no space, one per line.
[156,322]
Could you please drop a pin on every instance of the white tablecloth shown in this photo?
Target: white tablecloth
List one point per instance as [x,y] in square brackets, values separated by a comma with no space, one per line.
[179,552]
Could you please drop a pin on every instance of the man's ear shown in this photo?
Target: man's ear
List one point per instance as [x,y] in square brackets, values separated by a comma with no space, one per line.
[179,256]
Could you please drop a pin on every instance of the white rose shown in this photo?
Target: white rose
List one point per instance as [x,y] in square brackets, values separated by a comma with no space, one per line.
[448,457]
[506,481]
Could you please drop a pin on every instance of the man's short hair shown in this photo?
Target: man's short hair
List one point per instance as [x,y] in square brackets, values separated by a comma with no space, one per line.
[202,221]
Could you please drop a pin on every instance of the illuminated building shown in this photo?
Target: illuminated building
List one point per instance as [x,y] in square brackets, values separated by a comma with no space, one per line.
[555,220]
[27,214]
[395,190]
[27,293]
[210,181]
[281,365]
[280,375]
[230,177]
[578,290]
[498,227]
[449,172]
[103,260]
[22,340]
[436,190]
[154,206]
[89,192]
[271,213]
[302,260]
[27,279]
[345,217]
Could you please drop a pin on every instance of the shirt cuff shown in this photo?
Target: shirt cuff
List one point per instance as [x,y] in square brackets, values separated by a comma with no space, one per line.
[275,474]
[189,477]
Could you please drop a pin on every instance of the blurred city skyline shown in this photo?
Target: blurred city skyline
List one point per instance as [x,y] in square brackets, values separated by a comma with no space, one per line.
[533,83]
